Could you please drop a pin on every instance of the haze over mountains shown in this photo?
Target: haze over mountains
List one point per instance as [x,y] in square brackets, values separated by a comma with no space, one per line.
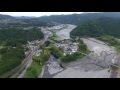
[78,18]
[69,19]
[102,23]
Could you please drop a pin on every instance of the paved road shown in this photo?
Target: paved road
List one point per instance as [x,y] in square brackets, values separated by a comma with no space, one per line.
[28,59]
[24,63]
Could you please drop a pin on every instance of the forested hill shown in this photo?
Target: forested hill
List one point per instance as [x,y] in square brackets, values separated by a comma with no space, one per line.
[78,18]
[64,19]
[5,17]
[7,21]
[20,36]
[98,27]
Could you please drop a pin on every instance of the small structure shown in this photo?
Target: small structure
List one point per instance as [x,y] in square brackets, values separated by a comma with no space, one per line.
[68,46]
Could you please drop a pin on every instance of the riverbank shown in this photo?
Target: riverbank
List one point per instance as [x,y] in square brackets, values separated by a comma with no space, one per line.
[91,66]
[65,33]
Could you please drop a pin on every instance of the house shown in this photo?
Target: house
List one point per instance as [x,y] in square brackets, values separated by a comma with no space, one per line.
[67,46]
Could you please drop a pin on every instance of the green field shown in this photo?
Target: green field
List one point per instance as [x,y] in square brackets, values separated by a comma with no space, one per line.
[34,70]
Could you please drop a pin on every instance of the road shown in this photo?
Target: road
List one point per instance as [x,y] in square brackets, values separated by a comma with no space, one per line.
[28,63]
[28,60]
[84,68]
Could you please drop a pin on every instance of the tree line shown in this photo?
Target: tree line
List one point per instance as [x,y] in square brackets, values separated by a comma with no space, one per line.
[98,27]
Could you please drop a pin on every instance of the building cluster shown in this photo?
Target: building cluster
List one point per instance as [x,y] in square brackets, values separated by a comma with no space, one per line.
[68,46]
[33,44]
[38,52]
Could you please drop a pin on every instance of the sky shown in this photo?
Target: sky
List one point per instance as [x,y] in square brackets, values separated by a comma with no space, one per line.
[38,14]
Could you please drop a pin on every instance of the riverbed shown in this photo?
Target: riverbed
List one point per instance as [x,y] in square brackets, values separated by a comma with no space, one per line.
[95,65]
[65,33]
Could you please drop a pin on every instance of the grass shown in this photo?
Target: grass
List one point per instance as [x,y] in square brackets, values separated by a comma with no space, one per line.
[54,37]
[9,75]
[114,67]
[36,67]
[34,70]
[112,41]
[5,75]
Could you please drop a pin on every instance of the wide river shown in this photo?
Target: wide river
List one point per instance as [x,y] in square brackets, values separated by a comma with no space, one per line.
[65,33]
[92,67]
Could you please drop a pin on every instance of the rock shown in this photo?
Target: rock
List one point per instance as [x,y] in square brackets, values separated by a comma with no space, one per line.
[53,65]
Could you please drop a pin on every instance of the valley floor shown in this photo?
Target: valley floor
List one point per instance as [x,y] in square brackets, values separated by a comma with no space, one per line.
[93,65]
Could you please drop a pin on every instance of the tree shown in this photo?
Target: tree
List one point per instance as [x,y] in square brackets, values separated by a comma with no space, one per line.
[98,27]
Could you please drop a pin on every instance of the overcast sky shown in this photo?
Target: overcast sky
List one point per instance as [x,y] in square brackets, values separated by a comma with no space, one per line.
[37,14]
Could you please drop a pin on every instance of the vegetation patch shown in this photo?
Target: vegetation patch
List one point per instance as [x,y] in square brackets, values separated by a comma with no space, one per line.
[58,52]
[15,36]
[36,67]
[98,27]
[54,36]
[77,55]
[111,41]
[10,58]
[34,70]
[114,67]
[11,47]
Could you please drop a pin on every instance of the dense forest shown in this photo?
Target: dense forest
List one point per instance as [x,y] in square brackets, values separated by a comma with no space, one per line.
[19,36]
[10,58]
[98,27]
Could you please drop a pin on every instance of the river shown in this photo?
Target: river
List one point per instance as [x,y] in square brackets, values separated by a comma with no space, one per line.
[90,66]
[65,33]
[95,65]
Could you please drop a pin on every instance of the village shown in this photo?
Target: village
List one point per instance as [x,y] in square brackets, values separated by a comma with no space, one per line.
[68,46]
